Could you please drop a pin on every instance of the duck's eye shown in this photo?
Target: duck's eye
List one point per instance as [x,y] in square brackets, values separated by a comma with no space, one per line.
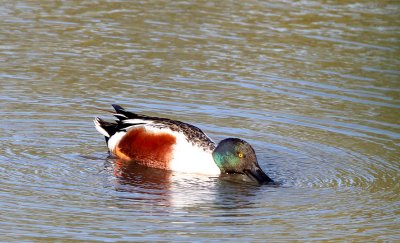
[240,155]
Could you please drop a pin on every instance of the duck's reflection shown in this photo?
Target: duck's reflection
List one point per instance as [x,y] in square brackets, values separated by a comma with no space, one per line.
[130,173]
[173,189]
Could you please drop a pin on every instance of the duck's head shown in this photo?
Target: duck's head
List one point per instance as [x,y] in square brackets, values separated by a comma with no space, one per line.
[235,156]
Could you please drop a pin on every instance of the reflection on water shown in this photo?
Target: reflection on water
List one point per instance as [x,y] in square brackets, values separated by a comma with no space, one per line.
[181,190]
[172,188]
[313,86]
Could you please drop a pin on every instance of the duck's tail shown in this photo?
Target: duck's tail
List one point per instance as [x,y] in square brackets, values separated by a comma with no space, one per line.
[106,128]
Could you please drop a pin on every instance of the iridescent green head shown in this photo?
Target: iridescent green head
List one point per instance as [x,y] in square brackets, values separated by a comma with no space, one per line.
[236,156]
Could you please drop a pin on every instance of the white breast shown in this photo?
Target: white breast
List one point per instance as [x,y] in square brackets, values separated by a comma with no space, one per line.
[192,159]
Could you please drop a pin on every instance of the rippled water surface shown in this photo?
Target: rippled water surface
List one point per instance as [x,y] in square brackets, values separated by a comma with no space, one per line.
[314,86]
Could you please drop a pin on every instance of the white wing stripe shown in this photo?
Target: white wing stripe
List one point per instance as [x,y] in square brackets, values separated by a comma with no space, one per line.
[137,121]
[120,115]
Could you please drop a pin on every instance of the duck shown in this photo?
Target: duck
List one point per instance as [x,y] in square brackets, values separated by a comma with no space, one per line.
[173,145]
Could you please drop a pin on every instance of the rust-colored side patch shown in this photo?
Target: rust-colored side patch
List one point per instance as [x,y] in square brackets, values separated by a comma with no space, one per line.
[146,148]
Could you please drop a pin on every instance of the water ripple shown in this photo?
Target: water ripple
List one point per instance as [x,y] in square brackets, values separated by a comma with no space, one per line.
[312,86]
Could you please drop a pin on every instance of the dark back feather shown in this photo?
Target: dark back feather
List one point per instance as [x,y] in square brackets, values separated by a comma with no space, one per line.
[192,133]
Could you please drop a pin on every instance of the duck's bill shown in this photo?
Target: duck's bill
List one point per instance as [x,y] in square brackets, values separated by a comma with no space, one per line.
[258,175]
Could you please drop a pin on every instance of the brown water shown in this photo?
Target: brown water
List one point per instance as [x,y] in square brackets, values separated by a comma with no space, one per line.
[313,85]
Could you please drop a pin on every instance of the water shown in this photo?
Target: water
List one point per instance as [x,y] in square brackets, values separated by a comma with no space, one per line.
[313,86]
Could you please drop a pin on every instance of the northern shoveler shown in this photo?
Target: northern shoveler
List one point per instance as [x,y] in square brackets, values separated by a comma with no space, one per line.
[174,145]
